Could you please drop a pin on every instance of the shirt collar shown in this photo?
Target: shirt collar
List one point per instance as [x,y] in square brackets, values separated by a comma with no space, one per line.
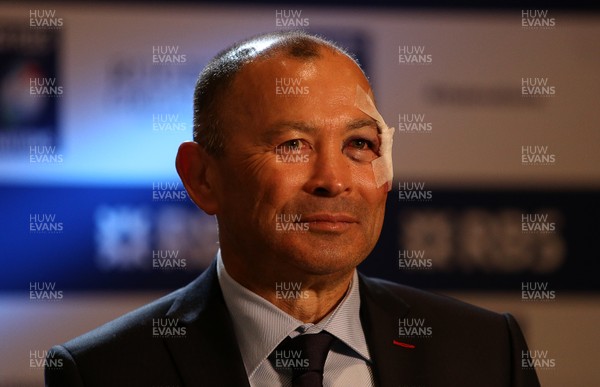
[260,326]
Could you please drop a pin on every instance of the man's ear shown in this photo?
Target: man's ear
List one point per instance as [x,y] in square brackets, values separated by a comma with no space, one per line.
[196,170]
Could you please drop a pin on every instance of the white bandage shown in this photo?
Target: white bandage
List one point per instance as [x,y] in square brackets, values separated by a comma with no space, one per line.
[383,169]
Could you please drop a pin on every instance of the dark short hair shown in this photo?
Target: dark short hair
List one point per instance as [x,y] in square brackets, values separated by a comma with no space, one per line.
[215,80]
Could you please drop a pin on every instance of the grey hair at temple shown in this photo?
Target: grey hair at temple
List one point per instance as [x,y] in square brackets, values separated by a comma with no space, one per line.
[215,79]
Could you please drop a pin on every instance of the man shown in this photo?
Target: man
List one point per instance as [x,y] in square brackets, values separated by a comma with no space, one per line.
[294,160]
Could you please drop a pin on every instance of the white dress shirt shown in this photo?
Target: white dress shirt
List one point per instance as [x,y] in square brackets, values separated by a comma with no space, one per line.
[260,326]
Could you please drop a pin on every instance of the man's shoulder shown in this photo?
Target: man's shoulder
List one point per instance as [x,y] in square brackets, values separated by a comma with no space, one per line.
[443,334]
[116,353]
[160,343]
[424,303]
[132,326]
[142,324]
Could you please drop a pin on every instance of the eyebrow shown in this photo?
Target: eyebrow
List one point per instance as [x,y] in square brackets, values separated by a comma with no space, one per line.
[358,124]
[282,126]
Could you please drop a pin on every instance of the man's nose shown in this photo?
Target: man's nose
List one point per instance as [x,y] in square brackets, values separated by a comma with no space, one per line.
[331,173]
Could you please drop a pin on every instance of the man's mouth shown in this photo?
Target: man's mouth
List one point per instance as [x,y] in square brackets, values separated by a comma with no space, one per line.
[329,222]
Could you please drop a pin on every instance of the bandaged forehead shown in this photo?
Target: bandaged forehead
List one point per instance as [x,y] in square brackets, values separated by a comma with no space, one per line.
[383,168]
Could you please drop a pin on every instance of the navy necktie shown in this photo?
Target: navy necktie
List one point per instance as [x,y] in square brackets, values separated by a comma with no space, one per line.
[305,355]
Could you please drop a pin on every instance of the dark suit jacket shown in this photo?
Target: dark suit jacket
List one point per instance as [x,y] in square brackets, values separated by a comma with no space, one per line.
[468,346]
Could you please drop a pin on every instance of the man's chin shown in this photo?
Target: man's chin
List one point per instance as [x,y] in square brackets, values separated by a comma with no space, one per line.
[319,253]
[325,261]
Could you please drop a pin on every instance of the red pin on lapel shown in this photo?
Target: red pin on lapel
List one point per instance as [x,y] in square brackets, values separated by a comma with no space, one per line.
[401,344]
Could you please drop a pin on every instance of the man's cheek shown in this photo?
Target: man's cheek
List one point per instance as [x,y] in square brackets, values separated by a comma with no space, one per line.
[364,177]
[293,174]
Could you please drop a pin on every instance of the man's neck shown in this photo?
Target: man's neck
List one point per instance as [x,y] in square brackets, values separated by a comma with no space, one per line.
[306,297]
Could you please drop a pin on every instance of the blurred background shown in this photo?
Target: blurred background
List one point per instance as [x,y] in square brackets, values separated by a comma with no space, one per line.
[496,157]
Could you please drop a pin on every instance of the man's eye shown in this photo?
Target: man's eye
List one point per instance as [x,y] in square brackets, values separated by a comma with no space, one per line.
[361,149]
[294,145]
[361,144]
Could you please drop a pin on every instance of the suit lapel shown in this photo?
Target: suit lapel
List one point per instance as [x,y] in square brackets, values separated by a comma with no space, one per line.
[393,364]
[209,353]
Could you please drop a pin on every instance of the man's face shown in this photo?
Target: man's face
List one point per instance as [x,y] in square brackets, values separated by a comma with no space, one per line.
[296,189]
